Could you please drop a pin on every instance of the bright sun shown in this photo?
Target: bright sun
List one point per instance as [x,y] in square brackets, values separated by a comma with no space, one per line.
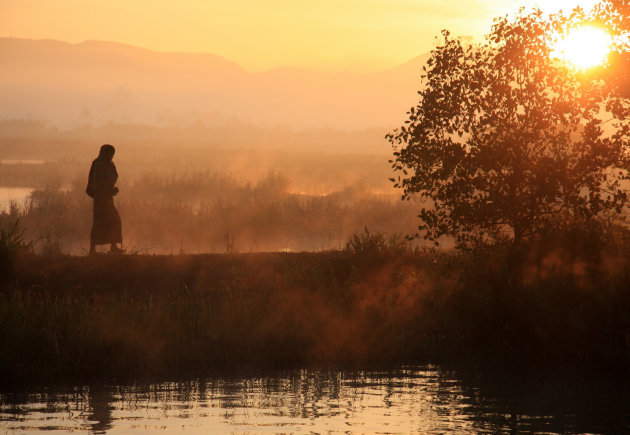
[584,47]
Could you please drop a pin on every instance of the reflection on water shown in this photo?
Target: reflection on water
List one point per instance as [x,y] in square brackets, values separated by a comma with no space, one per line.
[21,162]
[15,195]
[404,401]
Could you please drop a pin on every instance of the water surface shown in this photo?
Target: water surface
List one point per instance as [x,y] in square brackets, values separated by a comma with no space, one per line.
[21,162]
[416,400]
[13,195]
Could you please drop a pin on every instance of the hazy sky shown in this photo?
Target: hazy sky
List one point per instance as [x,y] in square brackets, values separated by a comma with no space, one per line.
[328,35]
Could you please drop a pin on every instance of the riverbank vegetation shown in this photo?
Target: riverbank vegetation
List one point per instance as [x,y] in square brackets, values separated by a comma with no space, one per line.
[208,200]
[559,303]
[208,211]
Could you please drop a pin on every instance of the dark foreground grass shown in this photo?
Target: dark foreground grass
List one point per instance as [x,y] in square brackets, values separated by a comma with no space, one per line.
[81,319]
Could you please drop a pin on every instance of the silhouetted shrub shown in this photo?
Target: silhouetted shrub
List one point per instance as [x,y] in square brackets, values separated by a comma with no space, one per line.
[366,243]
[12,245]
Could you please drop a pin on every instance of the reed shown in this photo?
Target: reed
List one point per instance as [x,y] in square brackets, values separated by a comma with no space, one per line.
[556,304]
[198,211]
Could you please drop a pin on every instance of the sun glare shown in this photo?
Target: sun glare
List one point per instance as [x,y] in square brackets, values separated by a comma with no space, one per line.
[584,47]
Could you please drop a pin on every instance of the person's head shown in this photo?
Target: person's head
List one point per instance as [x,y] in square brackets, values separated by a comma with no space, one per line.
[107,151]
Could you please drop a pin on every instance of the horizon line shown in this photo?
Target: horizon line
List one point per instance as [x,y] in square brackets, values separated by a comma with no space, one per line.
[249,71]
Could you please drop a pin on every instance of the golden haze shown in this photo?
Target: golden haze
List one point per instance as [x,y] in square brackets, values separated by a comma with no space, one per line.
[324,35]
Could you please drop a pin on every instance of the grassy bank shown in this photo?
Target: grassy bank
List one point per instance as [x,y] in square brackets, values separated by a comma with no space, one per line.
[128,317]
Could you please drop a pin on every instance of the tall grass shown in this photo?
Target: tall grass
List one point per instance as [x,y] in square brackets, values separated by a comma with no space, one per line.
[211,211]
[12,246]
[83,318]
[366,243]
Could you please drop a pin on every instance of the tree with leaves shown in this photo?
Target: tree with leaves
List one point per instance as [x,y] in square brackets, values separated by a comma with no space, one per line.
[505,139]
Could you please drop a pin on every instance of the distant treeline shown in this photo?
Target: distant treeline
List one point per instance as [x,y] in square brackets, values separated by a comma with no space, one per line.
[36,135]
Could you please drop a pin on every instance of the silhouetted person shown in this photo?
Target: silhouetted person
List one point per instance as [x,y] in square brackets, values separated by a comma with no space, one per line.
[106,227]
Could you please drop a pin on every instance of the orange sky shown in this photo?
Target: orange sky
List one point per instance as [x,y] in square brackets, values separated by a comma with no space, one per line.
[325,35]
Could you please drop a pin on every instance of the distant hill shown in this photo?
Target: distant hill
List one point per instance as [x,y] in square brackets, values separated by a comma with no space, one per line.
[100,82]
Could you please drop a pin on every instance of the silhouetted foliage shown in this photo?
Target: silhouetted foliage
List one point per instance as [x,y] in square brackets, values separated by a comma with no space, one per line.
[379,244]
[614,13]
[143,317]
[12,244]
[506,139]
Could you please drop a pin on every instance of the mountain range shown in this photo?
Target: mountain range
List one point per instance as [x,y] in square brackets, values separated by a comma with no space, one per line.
[98,82]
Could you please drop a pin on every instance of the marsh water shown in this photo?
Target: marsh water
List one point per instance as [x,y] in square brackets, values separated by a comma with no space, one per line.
[410,400]
[13,195]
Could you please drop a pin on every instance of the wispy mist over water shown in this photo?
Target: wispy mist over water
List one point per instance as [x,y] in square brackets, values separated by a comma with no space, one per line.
[194,199]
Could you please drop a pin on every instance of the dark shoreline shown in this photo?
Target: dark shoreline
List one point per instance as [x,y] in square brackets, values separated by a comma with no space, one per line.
[122,318]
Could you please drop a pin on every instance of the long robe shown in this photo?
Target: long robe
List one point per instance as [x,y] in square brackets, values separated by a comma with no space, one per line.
[106,226]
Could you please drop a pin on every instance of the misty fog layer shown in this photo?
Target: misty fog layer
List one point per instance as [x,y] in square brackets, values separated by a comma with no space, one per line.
[200,199]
